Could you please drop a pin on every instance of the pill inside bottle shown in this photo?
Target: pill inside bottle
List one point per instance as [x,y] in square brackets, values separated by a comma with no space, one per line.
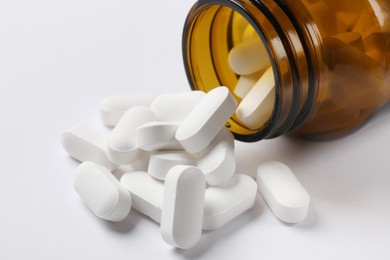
[309,68]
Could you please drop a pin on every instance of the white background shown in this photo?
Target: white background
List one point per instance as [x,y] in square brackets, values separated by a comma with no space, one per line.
[58,58]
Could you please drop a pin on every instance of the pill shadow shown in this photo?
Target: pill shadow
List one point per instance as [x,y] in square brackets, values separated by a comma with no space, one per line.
[124,226]
[311,219]
[211,238]
[335,185]
[73,161]
[309,222]
[118,173]
[137,166]
[131,221]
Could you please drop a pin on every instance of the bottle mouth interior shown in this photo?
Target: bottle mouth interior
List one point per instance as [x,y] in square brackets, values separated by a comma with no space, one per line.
[223,48]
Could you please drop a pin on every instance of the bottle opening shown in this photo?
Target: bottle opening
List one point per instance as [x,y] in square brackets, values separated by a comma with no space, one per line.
[224,49]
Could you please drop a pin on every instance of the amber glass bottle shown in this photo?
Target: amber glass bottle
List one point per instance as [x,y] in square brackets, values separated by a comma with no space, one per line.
[330,60]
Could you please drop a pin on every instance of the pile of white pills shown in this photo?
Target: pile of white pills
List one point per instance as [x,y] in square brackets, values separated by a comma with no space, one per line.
[190,184]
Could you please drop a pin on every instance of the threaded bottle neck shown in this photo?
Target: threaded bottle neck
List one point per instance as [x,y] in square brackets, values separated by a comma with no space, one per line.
[288,43]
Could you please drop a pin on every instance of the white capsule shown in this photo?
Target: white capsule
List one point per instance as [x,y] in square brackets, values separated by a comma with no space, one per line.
[249,57]
[159,135]
[224,203]
[161,162]
[175,107]
[217,160]
[112,108]
[245,84]
[84,144]
[282,191]
[122,147]
[146,192]
[182,211]
[102,193]
[206,120]
[257,106]
[221,204]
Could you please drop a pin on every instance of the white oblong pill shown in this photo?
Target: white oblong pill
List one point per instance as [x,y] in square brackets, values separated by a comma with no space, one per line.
[182,212]
[217,162]
[226,202]
[84,144]
[206,120]
[101,192]
[257,106]
[146,193]
[248,57]
[161,162]
[112,108]
[159,135]
[121,143]
[176,106]
[245,84]
[282,191]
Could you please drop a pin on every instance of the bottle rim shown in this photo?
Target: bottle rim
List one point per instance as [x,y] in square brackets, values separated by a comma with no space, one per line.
[282,119]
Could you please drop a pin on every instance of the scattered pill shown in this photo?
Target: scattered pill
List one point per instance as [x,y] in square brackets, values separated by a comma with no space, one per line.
[221,204]
[175,107]
[217,161]
[282,191]
[161,162]
[146,193]
[206,120]
[257,106]
[183,154]
[249,57]
[84,144]
[101,192]
[182,211]
[112,108]
[158,135]
[226,202]
[122,147]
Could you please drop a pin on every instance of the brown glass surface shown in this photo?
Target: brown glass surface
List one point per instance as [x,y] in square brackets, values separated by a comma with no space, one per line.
[330,58]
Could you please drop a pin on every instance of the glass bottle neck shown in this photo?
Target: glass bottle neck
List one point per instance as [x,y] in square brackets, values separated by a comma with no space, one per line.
[294,45]
[288,39]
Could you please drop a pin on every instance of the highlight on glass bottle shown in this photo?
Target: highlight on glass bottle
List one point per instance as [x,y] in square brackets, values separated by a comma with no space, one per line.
[312,68]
